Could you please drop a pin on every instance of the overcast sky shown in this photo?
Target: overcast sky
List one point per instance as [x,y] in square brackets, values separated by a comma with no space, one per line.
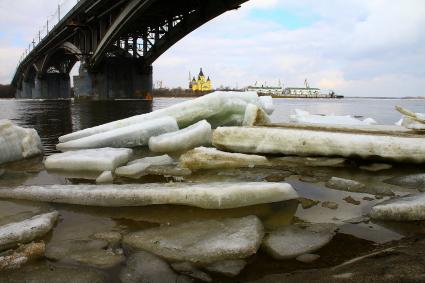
[355,47]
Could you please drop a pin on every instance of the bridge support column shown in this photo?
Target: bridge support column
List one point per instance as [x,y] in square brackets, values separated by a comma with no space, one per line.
[52,86]
[26,89]
[115,78]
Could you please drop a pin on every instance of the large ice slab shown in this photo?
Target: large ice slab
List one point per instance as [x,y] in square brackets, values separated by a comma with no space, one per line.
[211,158]
[291,241]
[195,135]
[302,116]
[208,195]
[203,241]
[138,168]
[25,231]
[17,143]
[321,142]
[130,136]
[186,113]
[101,159]
[409,208]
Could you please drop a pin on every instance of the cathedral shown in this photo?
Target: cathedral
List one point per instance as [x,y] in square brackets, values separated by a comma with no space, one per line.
[201,84]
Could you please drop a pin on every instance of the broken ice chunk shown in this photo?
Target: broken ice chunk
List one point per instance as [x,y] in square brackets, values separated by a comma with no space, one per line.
[408,208]
[211,158]
[196,135]
[203,241]
[137,168]
[267,104]
[22,255]
[292,241]
[105,178]
[101,159]
[412,124]
[25,231]
[419,117]
[186,113]
[302,116]
[254,115]
[17,143]
[208,195]
[229,268]
[130,136]
[357,187]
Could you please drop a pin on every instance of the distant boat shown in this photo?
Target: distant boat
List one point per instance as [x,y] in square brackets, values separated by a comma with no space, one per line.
[292,92]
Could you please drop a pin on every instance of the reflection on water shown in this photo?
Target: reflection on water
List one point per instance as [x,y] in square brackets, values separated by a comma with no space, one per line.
[54,118]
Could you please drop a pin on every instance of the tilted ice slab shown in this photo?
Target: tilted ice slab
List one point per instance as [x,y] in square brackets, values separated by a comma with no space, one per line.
[208,195]
[101,159]
[211,158]
[408,208]
[302,116]
[254,115]
[129,136]
[203,241]
[418,117]
[291,241]
[138,168]
[196,135]
[318,142]
[17,143]
[186,113]
[267,104]
[27,230]
[412,124]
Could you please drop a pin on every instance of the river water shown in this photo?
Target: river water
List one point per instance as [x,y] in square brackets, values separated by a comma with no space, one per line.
[53,118]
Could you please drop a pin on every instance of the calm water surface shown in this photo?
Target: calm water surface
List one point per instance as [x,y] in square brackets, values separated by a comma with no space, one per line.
[55,118]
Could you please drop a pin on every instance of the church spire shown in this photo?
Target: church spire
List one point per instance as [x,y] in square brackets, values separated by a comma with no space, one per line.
[201,74]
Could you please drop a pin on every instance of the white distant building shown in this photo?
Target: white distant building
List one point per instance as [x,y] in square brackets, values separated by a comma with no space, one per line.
[296,92]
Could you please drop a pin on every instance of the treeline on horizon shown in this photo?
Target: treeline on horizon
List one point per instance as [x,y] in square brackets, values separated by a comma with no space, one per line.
[7,91]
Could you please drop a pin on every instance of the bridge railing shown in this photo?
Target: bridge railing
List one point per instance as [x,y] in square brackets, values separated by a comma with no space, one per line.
[50,23]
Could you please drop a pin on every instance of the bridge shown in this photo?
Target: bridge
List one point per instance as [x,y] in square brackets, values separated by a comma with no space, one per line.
[115,41]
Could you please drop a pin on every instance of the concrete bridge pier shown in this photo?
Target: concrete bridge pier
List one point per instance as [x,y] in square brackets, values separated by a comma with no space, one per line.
[49,86]
[115,78]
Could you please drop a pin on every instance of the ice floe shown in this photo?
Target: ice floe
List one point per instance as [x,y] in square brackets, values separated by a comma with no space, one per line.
[130,136]
[101,159]
[203,241]
[17,143]
[318,142]
[105,178]
[408,208]
[145,267]
[229,268]
[193,136]
[419,117]
[254,115]
[206,195]
[357,187]
[138,168]
[25,231]
[191,270]
[218,106]
[211,158]
[411,181]
[22,255]
[267,104]
[302,116]
[292,241]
